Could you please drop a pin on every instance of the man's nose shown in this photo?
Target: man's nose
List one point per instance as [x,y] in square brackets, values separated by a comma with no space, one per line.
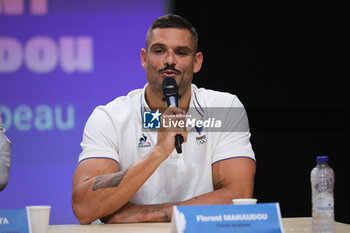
[170,58]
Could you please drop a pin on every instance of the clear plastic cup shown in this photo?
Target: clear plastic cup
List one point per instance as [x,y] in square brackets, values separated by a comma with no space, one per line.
[38,218]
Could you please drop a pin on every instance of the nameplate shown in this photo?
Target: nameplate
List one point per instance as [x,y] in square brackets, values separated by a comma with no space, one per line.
[13,221]
[256,218]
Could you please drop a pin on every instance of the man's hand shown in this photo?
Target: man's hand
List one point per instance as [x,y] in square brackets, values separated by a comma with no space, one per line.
[166,136]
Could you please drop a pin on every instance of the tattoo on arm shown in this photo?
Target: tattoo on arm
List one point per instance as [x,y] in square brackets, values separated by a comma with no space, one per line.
[109,180]
[219,185]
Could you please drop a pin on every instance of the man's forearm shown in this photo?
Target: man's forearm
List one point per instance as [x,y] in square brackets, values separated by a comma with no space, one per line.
[133,213]
[163,212]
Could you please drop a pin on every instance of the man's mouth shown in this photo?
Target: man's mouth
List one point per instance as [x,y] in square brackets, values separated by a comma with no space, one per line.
[169,71]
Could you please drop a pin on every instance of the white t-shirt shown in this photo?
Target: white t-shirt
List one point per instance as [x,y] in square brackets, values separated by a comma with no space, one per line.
[115,131]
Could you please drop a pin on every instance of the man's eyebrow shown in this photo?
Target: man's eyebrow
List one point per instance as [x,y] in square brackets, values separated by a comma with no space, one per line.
[157,45]
[184,48]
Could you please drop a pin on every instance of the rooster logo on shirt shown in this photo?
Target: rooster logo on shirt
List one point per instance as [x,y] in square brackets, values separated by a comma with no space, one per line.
[143,141]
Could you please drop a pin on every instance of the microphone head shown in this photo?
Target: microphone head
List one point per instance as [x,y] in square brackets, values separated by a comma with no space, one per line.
[169,87]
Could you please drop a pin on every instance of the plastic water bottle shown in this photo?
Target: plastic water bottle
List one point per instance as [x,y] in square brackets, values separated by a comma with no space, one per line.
[322,184]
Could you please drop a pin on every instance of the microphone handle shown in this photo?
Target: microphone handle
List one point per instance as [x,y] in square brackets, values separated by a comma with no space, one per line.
[178,141]
[172,100]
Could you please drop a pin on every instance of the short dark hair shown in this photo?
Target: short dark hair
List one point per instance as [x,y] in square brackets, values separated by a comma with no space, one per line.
[173,21]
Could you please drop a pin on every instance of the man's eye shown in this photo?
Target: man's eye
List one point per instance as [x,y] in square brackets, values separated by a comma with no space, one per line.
[182,53]
[158,51]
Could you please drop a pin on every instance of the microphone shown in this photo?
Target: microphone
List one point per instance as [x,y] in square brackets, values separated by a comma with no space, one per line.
[171,97]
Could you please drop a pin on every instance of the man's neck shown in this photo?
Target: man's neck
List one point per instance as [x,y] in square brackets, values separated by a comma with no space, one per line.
[155,101]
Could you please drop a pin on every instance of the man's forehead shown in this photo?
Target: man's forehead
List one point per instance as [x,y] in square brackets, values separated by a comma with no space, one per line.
[171,35]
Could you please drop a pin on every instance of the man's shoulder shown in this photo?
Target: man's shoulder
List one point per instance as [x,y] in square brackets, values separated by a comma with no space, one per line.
[214,98]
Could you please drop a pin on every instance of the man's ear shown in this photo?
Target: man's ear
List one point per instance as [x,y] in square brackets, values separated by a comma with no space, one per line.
[198,60]
[143,55]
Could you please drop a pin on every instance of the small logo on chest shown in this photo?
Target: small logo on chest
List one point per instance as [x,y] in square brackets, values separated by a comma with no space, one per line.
[143,142]
[201,140]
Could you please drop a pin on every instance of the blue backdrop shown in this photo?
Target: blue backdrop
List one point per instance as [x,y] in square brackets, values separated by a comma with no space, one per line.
[59,59]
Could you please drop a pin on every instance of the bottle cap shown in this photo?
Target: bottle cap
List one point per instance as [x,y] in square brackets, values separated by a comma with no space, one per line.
[322,159]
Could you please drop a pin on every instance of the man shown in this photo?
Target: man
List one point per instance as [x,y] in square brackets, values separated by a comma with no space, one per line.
[5,157]
[128,175]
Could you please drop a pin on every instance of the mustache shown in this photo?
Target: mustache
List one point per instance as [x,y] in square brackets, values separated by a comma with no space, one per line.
[169,67]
